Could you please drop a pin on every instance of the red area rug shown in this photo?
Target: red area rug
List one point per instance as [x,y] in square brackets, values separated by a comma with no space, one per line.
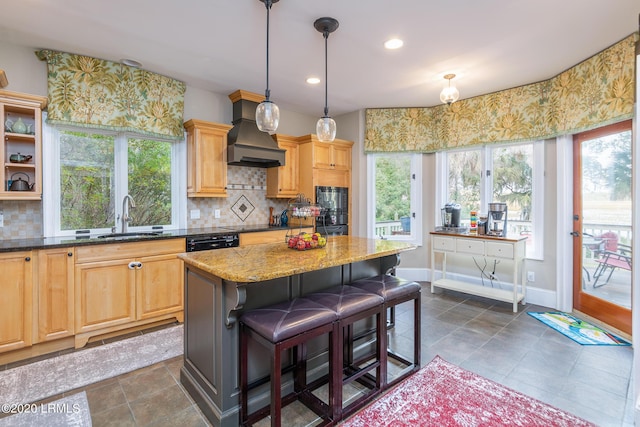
[442,394]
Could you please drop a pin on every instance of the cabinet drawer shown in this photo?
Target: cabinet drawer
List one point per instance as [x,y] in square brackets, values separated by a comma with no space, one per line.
[469,246]
[443,244]
[500,250]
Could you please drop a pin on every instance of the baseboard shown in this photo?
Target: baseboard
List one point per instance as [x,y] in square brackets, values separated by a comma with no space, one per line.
[537,296]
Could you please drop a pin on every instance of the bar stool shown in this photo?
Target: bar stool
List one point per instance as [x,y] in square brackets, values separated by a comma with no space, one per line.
[351,305]
[279,327]
[396,291]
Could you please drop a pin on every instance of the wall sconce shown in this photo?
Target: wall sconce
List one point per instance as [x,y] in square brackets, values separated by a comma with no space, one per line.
[449,93]
[267,113]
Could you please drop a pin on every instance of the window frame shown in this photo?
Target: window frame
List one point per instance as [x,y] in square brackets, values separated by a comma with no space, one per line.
[415,194]
[51,178]
[535,251]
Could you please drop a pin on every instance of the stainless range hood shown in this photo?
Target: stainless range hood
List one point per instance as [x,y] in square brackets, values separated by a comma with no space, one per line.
[248,146]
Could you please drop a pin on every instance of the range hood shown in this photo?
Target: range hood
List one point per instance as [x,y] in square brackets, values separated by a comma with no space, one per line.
[247,145]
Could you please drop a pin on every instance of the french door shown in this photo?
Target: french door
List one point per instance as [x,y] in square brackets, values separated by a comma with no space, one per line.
[602,206]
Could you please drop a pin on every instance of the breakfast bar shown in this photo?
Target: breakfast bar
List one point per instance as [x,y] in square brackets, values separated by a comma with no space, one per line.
[221,284]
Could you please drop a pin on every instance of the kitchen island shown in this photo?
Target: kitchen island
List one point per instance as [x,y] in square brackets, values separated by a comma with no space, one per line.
[220,284]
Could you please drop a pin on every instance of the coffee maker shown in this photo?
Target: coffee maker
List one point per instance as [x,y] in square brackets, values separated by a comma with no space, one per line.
[451,215]
[497,219]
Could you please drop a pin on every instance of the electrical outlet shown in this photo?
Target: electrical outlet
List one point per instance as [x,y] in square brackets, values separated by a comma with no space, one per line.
[216,213]
[531,277]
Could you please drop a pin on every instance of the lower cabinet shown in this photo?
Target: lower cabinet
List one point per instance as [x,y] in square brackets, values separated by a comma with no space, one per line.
[16,300]
[116,288]
[54,290]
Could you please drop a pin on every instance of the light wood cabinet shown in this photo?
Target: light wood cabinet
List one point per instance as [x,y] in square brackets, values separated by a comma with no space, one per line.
[16,300]
[21,133]
[271,236]
[55,291]
[332,155]
[206,158]
[283,181]
[116,288]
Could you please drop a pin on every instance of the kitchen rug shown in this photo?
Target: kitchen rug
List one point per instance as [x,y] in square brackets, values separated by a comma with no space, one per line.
[578,330]
[443,394]
[69,411]
[49,377]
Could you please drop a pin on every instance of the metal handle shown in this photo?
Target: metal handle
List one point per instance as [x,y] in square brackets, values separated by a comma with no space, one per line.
[135,265]
[575,234]
[28,259]
[69,253]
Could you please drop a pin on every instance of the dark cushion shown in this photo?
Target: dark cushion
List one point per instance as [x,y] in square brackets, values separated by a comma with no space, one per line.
[346,300]
[387,286]
[287,319]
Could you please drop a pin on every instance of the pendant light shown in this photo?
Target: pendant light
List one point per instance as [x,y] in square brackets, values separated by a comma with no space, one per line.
[267,113]
[326,126]
[449,94]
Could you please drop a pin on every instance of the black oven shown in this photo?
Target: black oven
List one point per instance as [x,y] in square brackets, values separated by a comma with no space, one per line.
[212,241]
[335,210]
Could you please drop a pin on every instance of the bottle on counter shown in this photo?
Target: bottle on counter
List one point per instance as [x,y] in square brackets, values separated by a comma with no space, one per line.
[473,227]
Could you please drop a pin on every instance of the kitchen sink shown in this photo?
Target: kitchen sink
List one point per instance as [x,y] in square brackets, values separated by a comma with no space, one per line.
[131,235]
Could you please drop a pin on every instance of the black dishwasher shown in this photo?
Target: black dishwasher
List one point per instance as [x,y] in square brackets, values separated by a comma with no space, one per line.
[207,242]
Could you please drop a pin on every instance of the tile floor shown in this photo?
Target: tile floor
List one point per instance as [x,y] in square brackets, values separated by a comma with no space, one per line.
[477,334]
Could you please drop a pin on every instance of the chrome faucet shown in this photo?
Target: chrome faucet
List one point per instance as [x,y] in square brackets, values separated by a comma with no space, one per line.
[125,211]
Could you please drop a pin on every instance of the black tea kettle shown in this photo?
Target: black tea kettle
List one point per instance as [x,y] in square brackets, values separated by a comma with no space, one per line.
[20,184]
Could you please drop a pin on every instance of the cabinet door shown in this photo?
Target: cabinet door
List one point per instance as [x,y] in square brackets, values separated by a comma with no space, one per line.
[207,159]
[104,294]
[282,181]
[322,155]
[15,300]
[332,178]
[341,157]
[55,305]
[159,289]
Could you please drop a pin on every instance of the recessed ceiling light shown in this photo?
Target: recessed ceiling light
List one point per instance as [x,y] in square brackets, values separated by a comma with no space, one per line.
[131,63]
[313,80]
[393,44]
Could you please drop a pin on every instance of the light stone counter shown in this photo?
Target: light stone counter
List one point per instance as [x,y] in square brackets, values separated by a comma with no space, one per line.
[268,261]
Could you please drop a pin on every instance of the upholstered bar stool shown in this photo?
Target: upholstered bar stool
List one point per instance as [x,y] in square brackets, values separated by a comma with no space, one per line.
[396,291]
[282,326]
[351,305]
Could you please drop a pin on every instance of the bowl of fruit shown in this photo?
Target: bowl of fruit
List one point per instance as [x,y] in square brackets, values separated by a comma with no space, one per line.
[306,241]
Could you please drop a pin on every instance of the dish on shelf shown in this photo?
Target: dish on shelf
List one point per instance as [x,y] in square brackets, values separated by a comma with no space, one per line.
[20,158]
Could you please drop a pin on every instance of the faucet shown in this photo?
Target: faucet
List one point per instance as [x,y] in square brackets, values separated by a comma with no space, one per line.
[125,211]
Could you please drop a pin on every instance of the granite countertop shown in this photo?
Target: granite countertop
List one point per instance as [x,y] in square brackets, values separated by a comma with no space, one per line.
[272,260]
[508,238]
[12,245]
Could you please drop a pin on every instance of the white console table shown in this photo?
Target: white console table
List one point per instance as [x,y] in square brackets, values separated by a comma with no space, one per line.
[480,246]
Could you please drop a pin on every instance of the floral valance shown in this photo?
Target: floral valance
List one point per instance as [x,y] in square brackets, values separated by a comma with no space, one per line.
[91,92]
[595,92]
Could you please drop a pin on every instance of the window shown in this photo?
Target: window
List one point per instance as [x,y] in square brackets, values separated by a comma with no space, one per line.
[91,171]
[394,181]
[511,174]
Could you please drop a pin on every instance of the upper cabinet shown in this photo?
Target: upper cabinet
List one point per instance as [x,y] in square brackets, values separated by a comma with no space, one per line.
[332,155]
[206,158]
[21,153]
[283,181]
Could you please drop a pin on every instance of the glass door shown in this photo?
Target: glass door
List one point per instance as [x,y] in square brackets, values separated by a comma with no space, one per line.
[602,244]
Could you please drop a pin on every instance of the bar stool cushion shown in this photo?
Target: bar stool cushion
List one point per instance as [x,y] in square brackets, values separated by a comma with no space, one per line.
[284,320]
[346,300]
[387,286]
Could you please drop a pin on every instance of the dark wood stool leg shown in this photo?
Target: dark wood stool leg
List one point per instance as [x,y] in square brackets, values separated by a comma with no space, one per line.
[276,384]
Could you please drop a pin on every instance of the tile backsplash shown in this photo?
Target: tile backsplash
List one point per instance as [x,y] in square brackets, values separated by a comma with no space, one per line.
[246,204]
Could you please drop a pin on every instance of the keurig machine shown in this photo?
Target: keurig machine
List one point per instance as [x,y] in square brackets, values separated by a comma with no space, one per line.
[451,215]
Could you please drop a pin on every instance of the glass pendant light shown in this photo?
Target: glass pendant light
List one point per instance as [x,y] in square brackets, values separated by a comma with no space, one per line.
[326,126]
[449,94]
[267,113]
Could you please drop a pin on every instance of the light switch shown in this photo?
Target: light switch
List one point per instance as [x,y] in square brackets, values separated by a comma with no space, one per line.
[216,213]
[195,213]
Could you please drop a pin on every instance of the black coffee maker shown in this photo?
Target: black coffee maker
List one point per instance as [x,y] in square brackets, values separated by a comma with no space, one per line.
[451,215]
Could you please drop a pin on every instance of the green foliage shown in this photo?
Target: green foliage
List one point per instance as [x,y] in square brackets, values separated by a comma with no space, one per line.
[393,187]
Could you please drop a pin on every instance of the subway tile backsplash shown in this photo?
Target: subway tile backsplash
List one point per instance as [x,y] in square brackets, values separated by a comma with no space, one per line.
[246,204]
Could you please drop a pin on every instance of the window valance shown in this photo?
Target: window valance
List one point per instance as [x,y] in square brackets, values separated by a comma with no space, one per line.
[90,92]
[598,91]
